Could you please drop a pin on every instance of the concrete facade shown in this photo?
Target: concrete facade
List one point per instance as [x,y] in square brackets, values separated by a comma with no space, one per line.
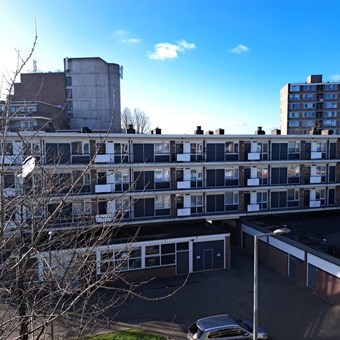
[93,94]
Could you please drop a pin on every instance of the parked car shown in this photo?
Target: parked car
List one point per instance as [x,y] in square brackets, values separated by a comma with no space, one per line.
[223,327]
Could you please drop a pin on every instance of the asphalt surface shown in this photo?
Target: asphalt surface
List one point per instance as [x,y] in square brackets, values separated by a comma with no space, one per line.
[288,311]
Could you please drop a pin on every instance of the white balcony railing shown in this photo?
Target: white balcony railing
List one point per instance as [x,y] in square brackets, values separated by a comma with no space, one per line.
[183,157]
[253,181]
[183,185]
[183,212]
[104,159]
[253,207]
[253,156]
[101,188]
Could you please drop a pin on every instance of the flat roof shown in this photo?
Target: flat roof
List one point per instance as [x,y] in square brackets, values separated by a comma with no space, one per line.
[318,230]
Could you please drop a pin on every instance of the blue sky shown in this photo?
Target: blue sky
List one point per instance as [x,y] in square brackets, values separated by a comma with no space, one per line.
[213,63]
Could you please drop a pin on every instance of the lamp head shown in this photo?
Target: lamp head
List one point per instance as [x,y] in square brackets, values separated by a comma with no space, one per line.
[281,231]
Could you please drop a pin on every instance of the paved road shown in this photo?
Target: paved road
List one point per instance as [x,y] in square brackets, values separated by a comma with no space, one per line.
[286,310]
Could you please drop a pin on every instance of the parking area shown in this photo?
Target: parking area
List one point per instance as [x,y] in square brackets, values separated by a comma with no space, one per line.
[287,311]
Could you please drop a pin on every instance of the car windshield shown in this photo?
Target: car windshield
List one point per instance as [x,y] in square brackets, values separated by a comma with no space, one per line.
[195,331]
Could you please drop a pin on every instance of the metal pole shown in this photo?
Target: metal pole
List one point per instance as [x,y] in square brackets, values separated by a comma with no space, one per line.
[255,309]
[255,304]
[50,233]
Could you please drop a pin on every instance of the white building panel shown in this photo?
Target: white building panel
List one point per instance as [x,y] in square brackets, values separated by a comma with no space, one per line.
[324,265]
[287,248]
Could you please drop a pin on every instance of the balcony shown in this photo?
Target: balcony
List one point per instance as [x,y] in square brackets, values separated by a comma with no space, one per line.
[315,204]
[104,218]
[183,212]
[104,159]
[253,156]
[253,207]
[183,185]
[183,157]
[316,155]
[315,179]
[253,182]
[103,188]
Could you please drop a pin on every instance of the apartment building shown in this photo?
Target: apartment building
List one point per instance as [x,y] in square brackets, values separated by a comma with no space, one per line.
[88,90]
[310,107]
[93,94]
[175,182]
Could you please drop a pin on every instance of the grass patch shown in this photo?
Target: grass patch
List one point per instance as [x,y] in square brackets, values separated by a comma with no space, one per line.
[130,334]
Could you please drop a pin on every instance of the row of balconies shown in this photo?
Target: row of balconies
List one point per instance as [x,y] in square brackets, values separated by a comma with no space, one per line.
[202,211]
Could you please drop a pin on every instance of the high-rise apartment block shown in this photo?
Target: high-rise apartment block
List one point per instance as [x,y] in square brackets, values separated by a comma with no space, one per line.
[86,94]
[93,94]
[310,107]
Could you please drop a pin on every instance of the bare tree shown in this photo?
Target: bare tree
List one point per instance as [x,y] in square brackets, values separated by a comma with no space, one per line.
[139,120]
[49,275]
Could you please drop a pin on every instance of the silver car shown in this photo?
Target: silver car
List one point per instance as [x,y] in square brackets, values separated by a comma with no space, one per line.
[223,327]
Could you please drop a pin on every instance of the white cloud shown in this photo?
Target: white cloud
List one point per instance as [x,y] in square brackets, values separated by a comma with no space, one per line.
[239,49]
[166,50]
[121,33]
[131,41]
[335,77]
[125,37]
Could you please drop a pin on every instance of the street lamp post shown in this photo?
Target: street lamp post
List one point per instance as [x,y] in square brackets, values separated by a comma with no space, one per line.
[50,235]
[280,231]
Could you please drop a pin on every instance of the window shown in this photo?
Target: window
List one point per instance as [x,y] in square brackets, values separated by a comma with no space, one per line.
[293,197]
[294,106]
[163,147]
[231,173]
[101,177]
[308,114]
[101,149]
[162,175]
[106,262]
[122,176]
[308,105]
[309,87]
[196,201]
[293,123]
[321,146]
[329,122]
[81,208]
[231,198]
[262,199]
[162,202]
[321,171]
[196,148]
[9,180]
[262,174]
[152,256]
[76,148]
[231,147]
[329,114]
[293,114]
[308,96]
[307,123]
[330,105]
[168,254]
[320,194]
[293,147]
[294,97]
[331,87]
[293,174]
[196,174]
[68,94]
[68,81]
[122,204]
[294,88]
[330,96]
